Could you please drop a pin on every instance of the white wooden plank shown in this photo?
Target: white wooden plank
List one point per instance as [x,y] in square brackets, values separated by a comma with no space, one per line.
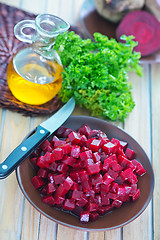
[155,73]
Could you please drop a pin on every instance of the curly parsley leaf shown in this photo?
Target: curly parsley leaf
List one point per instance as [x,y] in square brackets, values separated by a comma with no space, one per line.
[96,73]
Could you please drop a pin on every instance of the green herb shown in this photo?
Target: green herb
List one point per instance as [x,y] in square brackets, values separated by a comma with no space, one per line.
[96,73]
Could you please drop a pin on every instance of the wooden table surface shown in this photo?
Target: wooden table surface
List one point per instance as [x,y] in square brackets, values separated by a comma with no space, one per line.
[18,219]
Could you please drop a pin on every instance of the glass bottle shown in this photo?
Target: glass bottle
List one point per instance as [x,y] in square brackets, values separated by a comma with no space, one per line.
[34,73]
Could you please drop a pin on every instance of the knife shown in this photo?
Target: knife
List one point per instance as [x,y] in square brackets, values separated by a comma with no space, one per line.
[41,132]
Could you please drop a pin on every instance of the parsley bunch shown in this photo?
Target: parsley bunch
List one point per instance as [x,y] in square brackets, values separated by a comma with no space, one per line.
[95,73]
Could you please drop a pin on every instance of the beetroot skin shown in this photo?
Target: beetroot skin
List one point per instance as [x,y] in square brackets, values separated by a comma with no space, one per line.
[85,173]
[144,27]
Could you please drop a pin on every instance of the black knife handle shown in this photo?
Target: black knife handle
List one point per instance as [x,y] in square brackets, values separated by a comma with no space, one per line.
[20,153]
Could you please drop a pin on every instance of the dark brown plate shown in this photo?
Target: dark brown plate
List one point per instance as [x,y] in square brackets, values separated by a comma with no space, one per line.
[115,219]
[92,22]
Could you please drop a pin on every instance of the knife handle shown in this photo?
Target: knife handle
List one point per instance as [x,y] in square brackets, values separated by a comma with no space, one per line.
[20,153]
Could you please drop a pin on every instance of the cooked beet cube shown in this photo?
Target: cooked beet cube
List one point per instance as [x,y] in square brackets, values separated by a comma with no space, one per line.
[94,168]
[107,164]
[117,203]
[42,163]
[133,189]
[93,133]
[136,195]
[105,200]
[58,143]
[34,161]
[102,210]
[129,153]
[116,142]
[36,153]
[83,140]
[59,201]
[85,155]
[139,168]
[127,174]
[69,204]
[85,129]
[58,153]
[60,131]
[111,195]
[49,199]
[66,132]
[105,187]
[51,188]
[49,157]
[107,179]
[109,148]
[64,187]
[115,166]
[96,179]
[96,156]
[91,206]
[75,176]
[46,146]
[82,202]
[53,166]
[62,167]
[77,195]
[75,151]
[59,178]
[43,172]
[114,187]
[95,145]
[88,161]
[121,194]
[112,173]
[84,217]
[94,216]
[69,160]
[37,182]
[74,137]
[54,138]
[123,144]
[88,143]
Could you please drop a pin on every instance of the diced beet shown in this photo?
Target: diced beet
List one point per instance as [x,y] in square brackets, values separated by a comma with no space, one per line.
[95,145]
[41,162]
[139,168]
[84,217]
[104,209]
[117,203]
[127,174]
[36,153]
[112,173]
[49,157]
[88,161]
[116,142]
[107,179]
[34,161]
[129,153]
[75,151]
[77,210]
[105,200]
[58,153]
[83,140]
[62,167]
[77,195]
[64,187]
[66,132]
[105,187]
[85,155]
[75,186]
[54,138]
[59,178]
[75,176]
[115,166]
[121,194]
[69,204]
[51,188]
[37,182]
[94,168]
[43,172]
[111,195]
[74,137]
[49,199]
[96,179]
[53,166]
[133,189]
[123,144]
[94,216]
[145,27]
[93,133]
[59,201]
[96,156]
[44,190]
[82,202]
[136,195]
[107,164]
[46,145]
[114,187]
[58,143]
[85,129]
[91,206]
[69,160]
[88,143]
[109,148]
[60,131]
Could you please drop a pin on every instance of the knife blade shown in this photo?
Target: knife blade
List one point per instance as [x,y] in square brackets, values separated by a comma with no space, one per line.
[44,130]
